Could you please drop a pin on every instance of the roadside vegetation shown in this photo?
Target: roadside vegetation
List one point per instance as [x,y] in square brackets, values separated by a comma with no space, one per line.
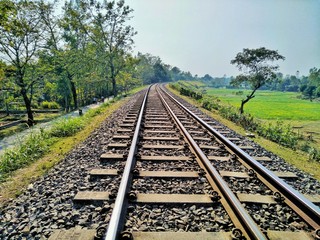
[42,150]
[303,159]
[268,116]
[39,143]
[64,61]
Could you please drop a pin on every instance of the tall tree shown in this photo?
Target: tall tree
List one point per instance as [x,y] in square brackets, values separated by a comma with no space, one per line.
[311,88]
[161,73]
[106,25]
[21,32]
[258,69]
[6,86]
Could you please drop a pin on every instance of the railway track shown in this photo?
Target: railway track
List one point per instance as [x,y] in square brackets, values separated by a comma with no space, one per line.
[177,174]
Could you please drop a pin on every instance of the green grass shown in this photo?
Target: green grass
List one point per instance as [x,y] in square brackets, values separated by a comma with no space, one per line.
[67,127]
[39,143]
[271,105]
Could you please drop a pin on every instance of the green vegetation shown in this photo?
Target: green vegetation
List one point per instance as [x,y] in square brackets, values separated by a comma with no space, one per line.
[67,127]
[71,59]
[275,127]
[18,180]
[300,159]
[39,143]
[27,152]
[257,68]
[50,105]
[271,105]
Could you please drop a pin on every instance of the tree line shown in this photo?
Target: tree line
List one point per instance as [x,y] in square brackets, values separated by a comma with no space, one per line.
[70,57]
[308,86]
[84,52]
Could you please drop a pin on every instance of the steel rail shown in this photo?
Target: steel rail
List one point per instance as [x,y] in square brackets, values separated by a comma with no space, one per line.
[119,210]
[252,231]
[307,210]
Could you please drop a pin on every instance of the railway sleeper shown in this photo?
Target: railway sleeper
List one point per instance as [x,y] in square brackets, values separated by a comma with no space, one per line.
[90,234]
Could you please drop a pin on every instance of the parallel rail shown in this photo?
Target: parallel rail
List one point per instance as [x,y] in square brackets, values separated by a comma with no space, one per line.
[251,230]
[243,221]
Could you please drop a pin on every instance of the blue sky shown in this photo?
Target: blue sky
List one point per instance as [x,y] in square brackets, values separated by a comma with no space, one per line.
[202,36]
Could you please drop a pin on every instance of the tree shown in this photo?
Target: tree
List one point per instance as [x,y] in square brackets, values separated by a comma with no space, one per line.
[257,68]
[144,69]
[21,32]
[105,25]
[161,73]
[6,87]
[314,77]
[207,78]
[175,72]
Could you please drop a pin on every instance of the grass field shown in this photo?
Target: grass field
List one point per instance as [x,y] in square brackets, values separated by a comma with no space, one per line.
[271,106]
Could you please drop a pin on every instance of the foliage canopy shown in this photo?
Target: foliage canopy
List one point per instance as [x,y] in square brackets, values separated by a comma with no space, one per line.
[257,67]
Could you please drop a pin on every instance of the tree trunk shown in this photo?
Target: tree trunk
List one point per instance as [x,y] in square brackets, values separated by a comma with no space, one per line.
[7,108]
[114,87]
[113,78]
[243,102]
[74,94]
[241,107]
[66,104]
[74,91]
[27,103]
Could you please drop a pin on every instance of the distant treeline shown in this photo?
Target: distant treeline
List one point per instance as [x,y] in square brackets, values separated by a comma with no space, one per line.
[309,86]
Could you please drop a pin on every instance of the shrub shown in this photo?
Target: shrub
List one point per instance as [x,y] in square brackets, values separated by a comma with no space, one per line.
[35,146]
[67,127]
[50,105]
[279,133]
[314,154]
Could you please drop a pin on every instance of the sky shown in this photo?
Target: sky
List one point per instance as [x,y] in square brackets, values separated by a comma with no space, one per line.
[203,36]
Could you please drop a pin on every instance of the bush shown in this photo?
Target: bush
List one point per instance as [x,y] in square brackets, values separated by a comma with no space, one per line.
[35,146]
[314,154]
[190,93]
[279,133]
[67,127]
[50,105]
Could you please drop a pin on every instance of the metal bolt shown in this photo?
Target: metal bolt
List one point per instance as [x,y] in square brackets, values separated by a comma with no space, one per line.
[126,236]
[233,157]
[215,196]
[236,234]
[277,196]
[132,196]
[135,172]
[317,234]
[100,232]
[113,194]
[201,172]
